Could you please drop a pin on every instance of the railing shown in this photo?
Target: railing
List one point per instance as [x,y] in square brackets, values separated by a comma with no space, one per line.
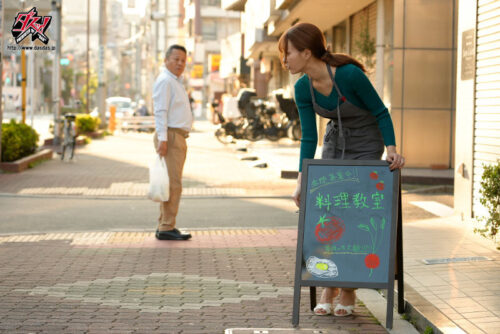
[136,123]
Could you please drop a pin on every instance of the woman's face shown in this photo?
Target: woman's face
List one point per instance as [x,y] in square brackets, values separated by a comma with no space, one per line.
[294,60]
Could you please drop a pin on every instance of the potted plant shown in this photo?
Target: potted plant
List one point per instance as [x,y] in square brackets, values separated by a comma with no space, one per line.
[490,198]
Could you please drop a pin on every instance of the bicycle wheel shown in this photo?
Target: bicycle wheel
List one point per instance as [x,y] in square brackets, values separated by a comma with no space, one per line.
[67,151]
[63,150]
[223,137]
[272,134]
[253,133]
[72,148]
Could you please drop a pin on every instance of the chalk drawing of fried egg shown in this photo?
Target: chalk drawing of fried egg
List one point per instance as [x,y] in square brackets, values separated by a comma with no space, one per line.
[322,268]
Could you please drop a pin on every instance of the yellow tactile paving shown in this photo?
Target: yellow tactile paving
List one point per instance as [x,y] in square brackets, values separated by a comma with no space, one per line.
[128,189]
[103,238]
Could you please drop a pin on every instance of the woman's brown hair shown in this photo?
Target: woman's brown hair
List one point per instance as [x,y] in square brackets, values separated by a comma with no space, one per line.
[308,36]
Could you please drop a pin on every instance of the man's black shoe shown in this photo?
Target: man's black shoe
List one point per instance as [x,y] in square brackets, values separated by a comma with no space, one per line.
[174,234]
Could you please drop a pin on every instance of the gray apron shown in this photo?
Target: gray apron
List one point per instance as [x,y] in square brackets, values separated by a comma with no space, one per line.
[352,132]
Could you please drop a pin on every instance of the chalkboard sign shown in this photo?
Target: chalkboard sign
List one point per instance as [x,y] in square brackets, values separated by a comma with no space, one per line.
[347,226]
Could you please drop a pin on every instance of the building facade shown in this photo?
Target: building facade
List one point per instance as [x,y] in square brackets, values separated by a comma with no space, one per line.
[435,63]
[206,25]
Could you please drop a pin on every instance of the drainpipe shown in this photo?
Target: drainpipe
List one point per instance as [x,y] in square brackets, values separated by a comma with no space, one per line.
[380,46]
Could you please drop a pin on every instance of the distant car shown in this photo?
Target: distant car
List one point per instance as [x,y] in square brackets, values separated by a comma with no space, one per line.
[123,107]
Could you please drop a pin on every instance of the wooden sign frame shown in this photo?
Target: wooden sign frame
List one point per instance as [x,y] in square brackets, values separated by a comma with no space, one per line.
[395,247]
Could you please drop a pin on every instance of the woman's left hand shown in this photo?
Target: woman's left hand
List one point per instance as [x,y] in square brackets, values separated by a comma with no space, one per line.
[396,160]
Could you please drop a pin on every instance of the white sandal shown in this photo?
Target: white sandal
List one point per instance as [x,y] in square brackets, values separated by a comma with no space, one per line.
[326,307]
[348,310]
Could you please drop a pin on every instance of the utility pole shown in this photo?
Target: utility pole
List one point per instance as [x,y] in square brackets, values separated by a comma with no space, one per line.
[31,85]
[88,60]
[138,61]
[157,34]
[56,74]
[101,90]
[166,26]
[23,86]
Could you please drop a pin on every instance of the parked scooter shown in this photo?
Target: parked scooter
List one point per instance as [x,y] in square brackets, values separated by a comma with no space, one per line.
[287,105]
[266,124]
[235,128]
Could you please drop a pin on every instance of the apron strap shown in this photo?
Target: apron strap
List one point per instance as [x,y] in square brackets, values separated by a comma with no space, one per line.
[312,91]
[333,80]
[339,119]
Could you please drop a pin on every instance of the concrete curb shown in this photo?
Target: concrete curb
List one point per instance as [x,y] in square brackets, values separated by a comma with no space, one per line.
[24,163]
[424,314]
[376,304]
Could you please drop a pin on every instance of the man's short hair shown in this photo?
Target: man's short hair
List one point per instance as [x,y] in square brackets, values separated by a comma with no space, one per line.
[174,47]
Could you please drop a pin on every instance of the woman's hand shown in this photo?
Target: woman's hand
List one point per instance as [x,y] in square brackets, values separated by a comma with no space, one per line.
[296,193]
[396,160]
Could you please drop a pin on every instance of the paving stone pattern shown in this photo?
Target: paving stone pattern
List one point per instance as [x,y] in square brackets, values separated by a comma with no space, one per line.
[54,286]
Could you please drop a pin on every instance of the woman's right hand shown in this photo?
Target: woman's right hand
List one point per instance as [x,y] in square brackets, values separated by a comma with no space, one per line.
[296,193]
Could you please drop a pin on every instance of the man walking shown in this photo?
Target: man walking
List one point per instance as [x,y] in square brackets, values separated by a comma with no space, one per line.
[173,121]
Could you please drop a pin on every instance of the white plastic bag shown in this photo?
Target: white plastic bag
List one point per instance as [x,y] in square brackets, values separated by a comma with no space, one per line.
[159,184]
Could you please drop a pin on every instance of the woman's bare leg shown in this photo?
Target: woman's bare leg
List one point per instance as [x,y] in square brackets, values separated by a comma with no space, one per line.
[347,298]
[327,297]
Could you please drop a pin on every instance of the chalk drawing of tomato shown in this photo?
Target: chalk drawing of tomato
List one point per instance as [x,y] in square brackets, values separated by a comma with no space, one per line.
[372,261]
[374,175]
[329,230]
[380,186]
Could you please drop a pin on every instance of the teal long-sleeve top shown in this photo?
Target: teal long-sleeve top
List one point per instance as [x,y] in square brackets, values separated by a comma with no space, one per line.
[357,88]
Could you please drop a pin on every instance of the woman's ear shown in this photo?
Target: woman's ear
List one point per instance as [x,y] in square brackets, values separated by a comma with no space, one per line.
[307,54]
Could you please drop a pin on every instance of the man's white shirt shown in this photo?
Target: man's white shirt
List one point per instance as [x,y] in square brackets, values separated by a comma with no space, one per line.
[171,105]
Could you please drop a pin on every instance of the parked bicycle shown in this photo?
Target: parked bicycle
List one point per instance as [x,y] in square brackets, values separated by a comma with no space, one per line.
[69,137]
[260,118]
[230,130]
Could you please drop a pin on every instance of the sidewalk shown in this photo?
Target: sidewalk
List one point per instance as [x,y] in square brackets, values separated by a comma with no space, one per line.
[455,297]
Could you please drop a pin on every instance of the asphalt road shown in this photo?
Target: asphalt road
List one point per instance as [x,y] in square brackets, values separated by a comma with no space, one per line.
[27,214]
[41,214]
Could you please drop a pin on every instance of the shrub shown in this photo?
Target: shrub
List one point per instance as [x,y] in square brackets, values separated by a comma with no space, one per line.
[86,123]
[490,198]
[18,141]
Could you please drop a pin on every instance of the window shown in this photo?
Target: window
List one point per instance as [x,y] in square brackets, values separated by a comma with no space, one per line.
[209,29]
[215,3]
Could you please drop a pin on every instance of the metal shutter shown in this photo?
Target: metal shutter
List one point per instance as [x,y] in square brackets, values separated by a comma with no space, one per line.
[487,99]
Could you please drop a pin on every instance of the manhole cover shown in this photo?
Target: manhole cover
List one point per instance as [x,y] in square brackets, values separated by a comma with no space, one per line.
[456,259]
[282,331]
